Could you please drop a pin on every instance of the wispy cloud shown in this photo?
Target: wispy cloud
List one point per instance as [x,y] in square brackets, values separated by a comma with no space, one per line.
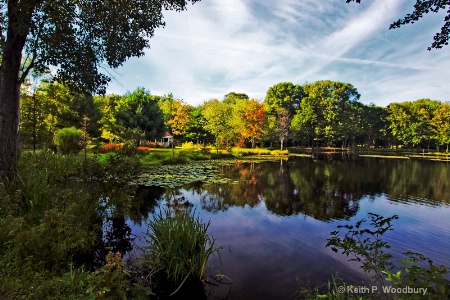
[249,45]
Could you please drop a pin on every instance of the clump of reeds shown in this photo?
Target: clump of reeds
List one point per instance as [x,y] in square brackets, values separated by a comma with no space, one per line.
[179,246]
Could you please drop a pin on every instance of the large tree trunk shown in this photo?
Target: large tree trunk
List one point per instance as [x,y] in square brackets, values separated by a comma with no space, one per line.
[10,81]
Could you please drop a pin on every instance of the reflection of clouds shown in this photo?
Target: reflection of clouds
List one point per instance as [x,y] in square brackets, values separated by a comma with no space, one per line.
[270,250]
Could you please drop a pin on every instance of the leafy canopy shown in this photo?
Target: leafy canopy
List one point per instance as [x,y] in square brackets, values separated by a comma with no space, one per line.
[81,37]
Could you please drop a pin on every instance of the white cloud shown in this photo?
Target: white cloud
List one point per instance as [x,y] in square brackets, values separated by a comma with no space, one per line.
[248,45]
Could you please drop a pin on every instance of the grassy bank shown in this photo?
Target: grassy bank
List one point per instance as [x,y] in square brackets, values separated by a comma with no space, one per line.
[420,154]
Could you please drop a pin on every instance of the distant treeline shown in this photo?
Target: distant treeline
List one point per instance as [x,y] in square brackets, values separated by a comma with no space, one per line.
[323,113]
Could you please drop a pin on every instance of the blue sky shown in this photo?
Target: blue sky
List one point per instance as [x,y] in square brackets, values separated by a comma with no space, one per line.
[246,46]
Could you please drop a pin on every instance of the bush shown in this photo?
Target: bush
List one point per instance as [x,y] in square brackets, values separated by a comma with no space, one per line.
[191,145]
[69,140]
[365,246]
[143,150]
[110,148]
[51,220]
[113,281]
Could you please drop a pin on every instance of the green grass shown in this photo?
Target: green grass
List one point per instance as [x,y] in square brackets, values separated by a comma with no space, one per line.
[184,155]
[50,217]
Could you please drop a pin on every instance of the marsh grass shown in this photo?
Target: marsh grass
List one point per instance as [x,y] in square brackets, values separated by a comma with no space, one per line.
[179,246]
[51,222]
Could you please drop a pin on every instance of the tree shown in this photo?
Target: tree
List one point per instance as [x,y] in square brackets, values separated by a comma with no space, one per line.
[34,126]
[422,113]
[254,116]
[323,111]
[179,118]
[374,124]
[399,118]
[139,116]
[77,37]
[195,130]
[281,102]
[284,124]
[441,124]
[350,123]
[421,8]
[109,126]
[217,116]
[232,97]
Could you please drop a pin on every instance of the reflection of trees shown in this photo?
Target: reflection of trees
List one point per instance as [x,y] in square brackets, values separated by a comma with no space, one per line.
[279,194]
[213,201]
[117,236]
[144,203]
[308,188]
[425,181]
[113,235]
[326,189]
[244,189]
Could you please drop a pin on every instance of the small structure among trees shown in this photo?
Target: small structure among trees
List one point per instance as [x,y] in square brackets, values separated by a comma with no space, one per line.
[166,140]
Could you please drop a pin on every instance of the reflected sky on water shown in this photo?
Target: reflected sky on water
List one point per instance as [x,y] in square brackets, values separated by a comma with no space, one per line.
[275,217]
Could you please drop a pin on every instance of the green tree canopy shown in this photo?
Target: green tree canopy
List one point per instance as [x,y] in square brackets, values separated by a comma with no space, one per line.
[78,38]
[140,116]
[280,104]
[324,109]
[195,130]
[441,124]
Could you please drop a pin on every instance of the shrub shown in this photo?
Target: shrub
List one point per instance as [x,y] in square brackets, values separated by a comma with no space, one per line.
[191,145]
[113,281]
[69,140]
[143,149]
[110,147]
[128,149]
[365,245]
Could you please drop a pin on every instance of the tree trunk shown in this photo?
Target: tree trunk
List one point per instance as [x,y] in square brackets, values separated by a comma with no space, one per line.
[281,142]
[9,106]
[10,81]
[34,122]
[173,146]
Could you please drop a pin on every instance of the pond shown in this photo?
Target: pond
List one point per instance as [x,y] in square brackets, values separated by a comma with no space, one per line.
[275,217]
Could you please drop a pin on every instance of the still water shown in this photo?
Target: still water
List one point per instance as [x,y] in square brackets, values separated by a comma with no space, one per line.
[275,218]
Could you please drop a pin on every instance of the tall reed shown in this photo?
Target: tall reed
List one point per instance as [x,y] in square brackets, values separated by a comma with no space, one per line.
[179,245]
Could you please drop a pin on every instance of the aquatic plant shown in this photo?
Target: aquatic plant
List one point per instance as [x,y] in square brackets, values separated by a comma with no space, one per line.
[172,176]
[179,246]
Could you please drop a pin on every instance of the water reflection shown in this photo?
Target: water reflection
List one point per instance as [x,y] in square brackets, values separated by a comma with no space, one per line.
[276,216]
[144,203]
[326,189]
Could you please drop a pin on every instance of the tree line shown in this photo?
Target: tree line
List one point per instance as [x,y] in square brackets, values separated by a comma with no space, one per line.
[77,41]
[323,113]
